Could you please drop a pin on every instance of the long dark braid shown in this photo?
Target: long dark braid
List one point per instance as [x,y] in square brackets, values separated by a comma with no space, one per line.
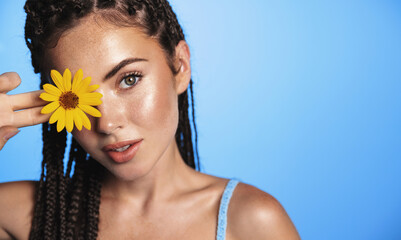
[67,207]
[49,188]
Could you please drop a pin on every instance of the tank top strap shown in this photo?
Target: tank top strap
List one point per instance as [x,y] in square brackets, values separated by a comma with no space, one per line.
[225,200]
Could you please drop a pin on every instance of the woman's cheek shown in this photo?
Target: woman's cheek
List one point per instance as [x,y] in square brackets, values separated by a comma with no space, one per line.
[84,138]
[157,109]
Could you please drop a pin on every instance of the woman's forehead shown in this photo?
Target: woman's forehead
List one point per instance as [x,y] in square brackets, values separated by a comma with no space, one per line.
[94,43]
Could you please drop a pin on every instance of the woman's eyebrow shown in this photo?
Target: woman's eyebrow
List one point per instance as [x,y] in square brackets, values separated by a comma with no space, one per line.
[122,64]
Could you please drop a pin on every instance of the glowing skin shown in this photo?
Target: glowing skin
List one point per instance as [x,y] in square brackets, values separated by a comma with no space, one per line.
[155,195]
[144,109]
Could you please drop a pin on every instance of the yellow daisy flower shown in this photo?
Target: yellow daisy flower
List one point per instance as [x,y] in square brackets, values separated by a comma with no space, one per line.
[70,101]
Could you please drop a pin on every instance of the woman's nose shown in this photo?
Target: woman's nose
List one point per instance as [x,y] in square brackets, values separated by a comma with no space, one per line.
[111,119]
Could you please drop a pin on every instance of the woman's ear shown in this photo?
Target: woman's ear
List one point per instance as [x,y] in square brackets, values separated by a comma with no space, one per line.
[183,64]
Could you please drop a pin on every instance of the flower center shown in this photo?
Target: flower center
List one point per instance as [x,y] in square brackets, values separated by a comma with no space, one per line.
[69,100]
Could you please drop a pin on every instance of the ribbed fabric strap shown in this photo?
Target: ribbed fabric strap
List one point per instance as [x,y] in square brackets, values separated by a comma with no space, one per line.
[225,200]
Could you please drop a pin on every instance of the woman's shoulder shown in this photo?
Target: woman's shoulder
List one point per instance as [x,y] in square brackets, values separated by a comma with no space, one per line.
[17,192]
[16,207]
[255,214]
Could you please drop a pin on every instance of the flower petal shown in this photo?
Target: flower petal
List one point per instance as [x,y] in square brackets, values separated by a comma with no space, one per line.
[83,85]
[90,110]
[48,97]
[61,120]
[91,95]
[90,101]
[85,119]
[77,118]
[67,79]
[56,115]
[57,79]
[50,107]
[69,117]
[77,79]
[49,88]
[92,88]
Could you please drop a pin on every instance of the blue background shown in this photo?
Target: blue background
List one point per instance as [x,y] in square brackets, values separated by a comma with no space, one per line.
[299,98]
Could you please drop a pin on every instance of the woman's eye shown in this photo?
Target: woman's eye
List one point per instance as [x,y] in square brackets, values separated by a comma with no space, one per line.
[130,80]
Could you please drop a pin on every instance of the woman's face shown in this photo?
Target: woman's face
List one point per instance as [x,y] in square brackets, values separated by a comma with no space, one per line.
[139,95]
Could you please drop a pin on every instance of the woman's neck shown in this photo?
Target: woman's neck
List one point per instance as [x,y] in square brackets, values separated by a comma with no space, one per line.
[169,176]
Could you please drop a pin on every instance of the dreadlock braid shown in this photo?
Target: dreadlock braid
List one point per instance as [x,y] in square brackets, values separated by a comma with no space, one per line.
[197,164]
[61,195]
[76,195]
[50,186]
[93,200]
[67,202]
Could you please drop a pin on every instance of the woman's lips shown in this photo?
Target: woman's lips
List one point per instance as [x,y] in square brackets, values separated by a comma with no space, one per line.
[123,151]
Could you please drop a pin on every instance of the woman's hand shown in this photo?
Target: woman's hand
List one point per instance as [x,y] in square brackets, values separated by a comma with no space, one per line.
[19,110]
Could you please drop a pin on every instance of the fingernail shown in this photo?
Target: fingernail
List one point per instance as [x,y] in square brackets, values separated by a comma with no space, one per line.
[10,135]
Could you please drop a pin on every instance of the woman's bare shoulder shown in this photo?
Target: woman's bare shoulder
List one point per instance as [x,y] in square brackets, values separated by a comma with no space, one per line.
[17,192]
[16,207]
[255,214]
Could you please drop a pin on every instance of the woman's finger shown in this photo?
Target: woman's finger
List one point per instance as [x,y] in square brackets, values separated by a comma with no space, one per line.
[9,81]
[6,133]
[29,117]
[26,100]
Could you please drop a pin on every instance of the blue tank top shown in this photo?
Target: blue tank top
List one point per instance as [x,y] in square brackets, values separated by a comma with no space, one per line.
[225,200]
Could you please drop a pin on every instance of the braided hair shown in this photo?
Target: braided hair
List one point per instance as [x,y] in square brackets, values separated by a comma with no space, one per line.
[67,201]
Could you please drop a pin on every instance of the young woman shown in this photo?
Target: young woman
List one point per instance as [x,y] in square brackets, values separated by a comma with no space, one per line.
[133,175]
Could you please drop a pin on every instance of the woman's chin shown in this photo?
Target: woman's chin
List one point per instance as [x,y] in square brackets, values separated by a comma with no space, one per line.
[128,173]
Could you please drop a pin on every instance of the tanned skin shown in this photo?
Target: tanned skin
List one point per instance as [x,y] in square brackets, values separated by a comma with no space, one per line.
[156,195]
